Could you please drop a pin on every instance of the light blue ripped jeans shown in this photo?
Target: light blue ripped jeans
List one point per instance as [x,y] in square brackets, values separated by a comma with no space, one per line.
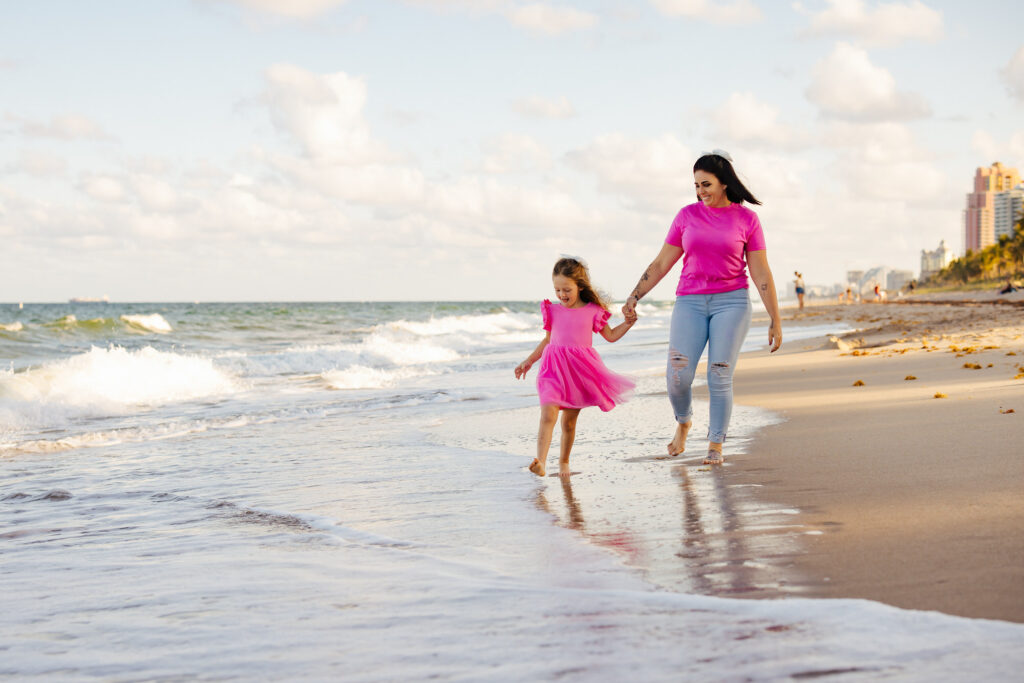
[720,322]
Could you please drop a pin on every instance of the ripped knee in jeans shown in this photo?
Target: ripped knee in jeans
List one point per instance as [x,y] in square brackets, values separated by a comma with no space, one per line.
[677,361]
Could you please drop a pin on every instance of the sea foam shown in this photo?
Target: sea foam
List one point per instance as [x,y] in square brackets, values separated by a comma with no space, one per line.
[154,322]
[107,381]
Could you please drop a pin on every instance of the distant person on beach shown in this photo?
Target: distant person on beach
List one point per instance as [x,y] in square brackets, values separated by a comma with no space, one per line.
[1009,288]
[571,375]
[799,284]
[718,238]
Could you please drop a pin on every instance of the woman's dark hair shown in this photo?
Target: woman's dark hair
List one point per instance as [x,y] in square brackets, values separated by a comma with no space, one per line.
[721,168]
[577,272]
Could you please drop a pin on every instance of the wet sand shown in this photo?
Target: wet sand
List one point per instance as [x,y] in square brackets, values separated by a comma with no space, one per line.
[919,500]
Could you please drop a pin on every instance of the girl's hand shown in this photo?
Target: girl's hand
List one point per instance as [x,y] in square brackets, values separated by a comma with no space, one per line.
[775,336]
[523,368]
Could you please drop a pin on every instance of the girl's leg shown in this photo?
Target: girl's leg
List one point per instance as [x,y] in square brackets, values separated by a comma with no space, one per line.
[730,321]
[548,418]
[687,337]
[569,417]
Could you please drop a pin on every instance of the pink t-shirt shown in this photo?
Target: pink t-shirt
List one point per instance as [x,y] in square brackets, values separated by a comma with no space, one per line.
[713,243]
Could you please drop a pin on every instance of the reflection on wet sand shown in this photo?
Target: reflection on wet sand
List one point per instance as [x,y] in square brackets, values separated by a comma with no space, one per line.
[684,525]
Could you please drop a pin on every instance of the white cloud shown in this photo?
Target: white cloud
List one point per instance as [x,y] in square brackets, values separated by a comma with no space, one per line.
[514,153]
[847,85]
[323,113]
[713,11]
[650,174]
[540,107]
[103,188]
[883,161]
[990,150]
[156,195]
[65,127]
[295,9]
[885,24]
[536,17]
[743,118]
[1013,74]
[550,20]
[38,163]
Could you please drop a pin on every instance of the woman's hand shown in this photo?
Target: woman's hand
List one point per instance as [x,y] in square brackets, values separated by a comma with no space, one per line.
[523,368]
[774,336]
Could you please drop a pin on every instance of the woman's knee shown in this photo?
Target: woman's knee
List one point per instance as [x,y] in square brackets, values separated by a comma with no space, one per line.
[680,370]
[720,377]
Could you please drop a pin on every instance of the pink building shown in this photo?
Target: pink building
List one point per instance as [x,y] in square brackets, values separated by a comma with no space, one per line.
[979,217]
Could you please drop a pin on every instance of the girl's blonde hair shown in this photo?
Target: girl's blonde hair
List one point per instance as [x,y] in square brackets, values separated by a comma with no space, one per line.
[578,273]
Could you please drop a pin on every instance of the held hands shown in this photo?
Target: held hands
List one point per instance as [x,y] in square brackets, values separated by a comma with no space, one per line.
[629,309]
[523,368]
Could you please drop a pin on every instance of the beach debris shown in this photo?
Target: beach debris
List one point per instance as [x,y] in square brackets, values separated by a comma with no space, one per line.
[837,343]
[1011,353]
[858,383]
[1006,411]
[939,394]
[972,366]
[989,365]
[908,377]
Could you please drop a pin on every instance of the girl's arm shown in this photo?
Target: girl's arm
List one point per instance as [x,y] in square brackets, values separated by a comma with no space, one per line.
[761,274]
[525,366]
[614,334]
[663,263]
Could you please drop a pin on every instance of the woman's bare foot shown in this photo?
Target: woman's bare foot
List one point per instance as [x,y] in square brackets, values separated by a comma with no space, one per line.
[714,456]
[563,470]
[537,467]
[678,443]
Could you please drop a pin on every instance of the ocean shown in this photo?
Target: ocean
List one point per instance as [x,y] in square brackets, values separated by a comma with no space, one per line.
[337,491]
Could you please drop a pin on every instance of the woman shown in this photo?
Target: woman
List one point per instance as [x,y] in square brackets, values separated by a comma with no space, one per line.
[799,284]
[719,237]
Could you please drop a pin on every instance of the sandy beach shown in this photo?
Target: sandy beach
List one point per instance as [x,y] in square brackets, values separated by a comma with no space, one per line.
[913,478]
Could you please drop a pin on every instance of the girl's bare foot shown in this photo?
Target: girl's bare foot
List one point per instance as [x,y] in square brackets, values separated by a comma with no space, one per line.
[714,456]
[678,443]
[537,467]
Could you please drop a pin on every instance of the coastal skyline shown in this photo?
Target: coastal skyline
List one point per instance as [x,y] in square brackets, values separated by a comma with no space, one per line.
[442,149]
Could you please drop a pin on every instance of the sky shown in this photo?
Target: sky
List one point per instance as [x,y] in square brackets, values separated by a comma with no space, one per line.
[336,150]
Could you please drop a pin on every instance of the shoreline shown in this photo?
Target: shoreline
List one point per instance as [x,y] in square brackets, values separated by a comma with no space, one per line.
[911,500]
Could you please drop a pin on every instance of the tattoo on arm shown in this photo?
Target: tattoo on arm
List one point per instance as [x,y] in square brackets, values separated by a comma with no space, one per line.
[636,290]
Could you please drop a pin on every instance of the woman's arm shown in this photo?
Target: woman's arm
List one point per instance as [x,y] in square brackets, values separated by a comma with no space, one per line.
[525,366]
[663,263]
[761,274]
[614,334]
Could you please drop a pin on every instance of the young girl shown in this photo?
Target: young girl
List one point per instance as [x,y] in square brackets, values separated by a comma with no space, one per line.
[571,375]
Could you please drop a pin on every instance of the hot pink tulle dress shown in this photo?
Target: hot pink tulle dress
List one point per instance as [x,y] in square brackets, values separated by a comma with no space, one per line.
[571,374]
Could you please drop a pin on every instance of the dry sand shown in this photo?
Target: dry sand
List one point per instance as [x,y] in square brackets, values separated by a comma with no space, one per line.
[919,500]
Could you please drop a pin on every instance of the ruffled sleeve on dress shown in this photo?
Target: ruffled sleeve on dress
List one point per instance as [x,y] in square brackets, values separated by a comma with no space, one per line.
[545,313]
[601,319]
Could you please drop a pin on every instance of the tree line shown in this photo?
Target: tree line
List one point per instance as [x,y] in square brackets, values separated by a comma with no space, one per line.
[1002,260]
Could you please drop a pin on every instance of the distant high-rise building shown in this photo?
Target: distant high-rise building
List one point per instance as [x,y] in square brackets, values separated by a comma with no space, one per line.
[934,261]
[1007,210]
[897,279]
[854,276]
[979,216]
